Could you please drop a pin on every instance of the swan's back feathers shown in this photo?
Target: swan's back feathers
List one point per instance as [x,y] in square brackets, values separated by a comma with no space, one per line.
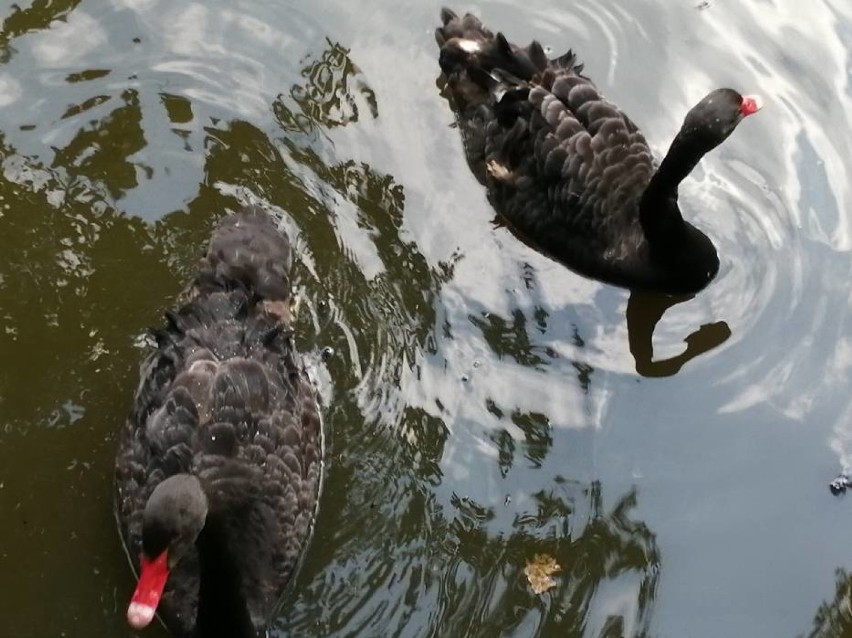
[247,249]
[570,142]
[562,163]
[225,397]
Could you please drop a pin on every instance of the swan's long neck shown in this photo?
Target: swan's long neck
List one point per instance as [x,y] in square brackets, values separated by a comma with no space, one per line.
[222,608]
[658,211]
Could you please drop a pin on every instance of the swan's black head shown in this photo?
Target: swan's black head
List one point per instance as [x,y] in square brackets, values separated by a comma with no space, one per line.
[713,119]
[174,516]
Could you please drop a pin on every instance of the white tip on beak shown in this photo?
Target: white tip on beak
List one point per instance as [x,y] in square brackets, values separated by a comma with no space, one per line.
[140,616]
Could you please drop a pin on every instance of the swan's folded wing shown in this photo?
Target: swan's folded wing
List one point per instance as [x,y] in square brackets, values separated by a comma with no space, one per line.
[578,163]
[295,468]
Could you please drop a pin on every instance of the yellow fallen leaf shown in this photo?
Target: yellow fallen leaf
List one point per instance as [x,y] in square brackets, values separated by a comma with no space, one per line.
[539,570]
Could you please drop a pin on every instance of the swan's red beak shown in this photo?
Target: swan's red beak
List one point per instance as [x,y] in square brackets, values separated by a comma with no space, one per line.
[750,104]
[148,592]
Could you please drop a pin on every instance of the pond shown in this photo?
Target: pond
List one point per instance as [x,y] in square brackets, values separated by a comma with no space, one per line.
[485,404]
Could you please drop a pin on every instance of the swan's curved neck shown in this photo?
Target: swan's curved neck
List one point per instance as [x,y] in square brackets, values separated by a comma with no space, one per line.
[658,211]
[222,608]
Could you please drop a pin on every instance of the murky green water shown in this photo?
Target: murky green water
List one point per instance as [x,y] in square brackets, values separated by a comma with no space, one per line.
[485,404]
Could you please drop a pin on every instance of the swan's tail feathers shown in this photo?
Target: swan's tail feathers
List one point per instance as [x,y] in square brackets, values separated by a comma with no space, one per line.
[471,54]
[247,251]
[568,61]
[454,27]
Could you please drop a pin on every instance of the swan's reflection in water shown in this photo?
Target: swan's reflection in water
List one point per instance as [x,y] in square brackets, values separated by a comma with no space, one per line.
[644,311]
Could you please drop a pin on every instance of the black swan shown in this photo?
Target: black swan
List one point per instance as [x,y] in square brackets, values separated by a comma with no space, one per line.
[219,467]
[572,173]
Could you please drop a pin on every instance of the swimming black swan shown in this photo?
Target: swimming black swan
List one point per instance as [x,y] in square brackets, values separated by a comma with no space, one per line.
[219,467]
[570,171]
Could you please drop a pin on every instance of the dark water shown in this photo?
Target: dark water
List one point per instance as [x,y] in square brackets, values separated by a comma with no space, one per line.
[485,404]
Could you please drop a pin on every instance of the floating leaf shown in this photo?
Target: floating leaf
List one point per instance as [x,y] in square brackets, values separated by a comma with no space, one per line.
[539,570]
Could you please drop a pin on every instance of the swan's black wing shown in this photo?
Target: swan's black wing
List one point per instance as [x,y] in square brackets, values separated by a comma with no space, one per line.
[224,396]
[564,163]
[564,166]
[469,54]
